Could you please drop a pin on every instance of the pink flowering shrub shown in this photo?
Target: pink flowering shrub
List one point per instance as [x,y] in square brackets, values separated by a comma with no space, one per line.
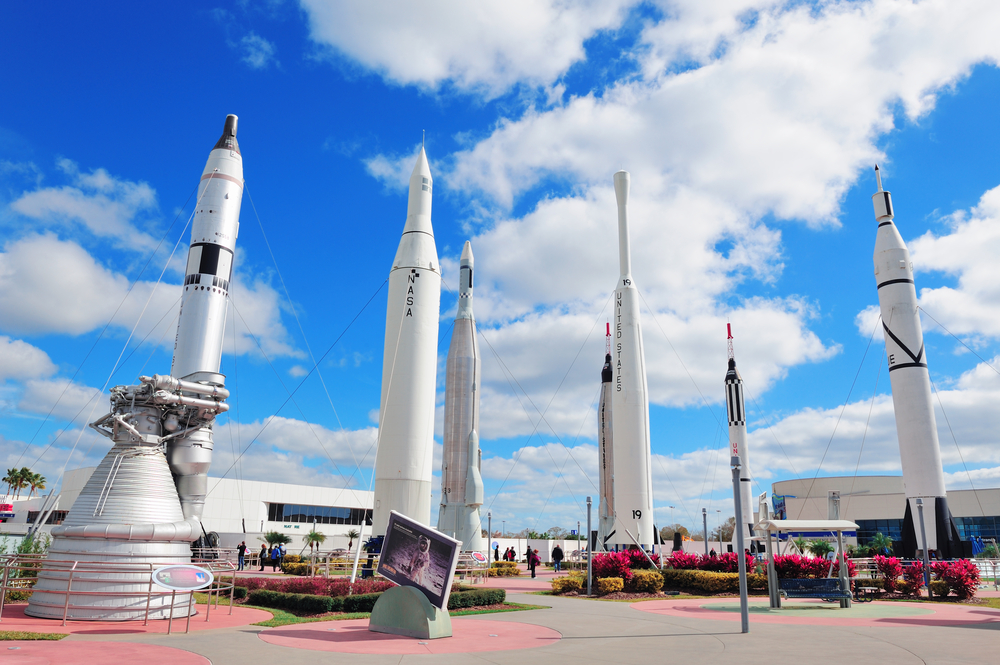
[683,561]
[613,564]
[796,566]
[638,560]
[889,569]
[914,576]
[962,576]
[726,563]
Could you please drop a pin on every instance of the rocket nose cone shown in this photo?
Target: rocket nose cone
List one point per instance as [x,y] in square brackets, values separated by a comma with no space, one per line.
[622,181]
[228,139]
[467,258]
[421,169]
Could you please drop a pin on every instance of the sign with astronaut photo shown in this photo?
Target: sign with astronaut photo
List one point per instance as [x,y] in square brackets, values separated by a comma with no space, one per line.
[419,556]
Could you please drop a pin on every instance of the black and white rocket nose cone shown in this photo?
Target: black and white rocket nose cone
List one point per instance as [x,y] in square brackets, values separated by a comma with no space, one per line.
[228,139]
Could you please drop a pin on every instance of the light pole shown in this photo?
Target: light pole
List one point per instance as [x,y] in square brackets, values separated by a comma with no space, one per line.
[718,518]
[589,558]
[503,528]
[704,525]
[923,541]
[578,534]
[744,609]
[489,530]
[672,522]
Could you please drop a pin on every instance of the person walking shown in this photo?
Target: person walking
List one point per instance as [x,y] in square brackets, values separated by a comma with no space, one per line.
[496,552]
[557,557]
[241,555]
[263,556]
[533,561]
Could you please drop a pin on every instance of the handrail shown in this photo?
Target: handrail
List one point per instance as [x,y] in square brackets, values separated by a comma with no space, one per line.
[77,570]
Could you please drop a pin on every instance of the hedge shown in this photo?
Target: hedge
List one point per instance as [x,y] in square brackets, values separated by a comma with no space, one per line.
[476,598]
[711,582]
[361,603]
[504,569]
[572,582]
[295,568]
[646,581]
[606,585]
[238,592]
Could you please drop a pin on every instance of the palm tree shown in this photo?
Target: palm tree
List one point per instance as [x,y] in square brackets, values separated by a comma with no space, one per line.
[315,539]
[880,543]
[352,535]
[274,538]
[36,481]
[10,479]
[819,548]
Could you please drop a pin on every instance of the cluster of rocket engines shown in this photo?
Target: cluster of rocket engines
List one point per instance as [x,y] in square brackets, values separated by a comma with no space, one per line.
[142,507]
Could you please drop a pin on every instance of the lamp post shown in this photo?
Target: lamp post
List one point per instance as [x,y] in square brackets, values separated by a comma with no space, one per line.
[704,525]
[578,534]
[718,518]
[740,557]
[503,528]
[923,541]
[489,531]
[672,522]
[589,558]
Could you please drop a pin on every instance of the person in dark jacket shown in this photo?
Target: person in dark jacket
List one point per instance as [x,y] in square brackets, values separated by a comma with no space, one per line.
[496,552]
[241,555]
[557,557]
[533,561]
[263,556]
[275,558]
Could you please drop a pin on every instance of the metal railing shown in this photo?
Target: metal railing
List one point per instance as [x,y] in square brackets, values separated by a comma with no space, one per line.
[22,571]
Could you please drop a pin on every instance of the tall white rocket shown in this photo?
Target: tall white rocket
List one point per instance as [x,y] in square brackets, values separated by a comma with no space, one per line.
[736,410]
[461,481]
[633,480]
[606,450]
[916,429]
[409,365]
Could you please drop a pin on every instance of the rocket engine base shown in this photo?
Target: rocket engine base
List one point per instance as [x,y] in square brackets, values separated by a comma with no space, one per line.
[949,543]
[127,520]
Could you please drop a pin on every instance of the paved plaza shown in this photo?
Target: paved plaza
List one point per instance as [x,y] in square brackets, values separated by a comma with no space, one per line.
[573,630]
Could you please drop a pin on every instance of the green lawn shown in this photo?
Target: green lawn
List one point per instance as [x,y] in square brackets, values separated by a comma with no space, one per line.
[23,635]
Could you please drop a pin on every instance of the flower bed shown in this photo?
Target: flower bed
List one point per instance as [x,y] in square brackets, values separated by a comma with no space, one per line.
[317,586]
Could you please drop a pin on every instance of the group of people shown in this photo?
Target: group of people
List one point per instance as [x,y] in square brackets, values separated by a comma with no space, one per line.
[531,557]
[271,555]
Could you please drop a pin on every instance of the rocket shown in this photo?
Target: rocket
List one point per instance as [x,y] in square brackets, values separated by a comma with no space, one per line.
[605,439]
[201,324]
[633,480]
[461,480]
[142,505]
[409,365]
[736,411]
[916,429]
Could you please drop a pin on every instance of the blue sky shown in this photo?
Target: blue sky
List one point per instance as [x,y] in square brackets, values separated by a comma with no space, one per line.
[749,127]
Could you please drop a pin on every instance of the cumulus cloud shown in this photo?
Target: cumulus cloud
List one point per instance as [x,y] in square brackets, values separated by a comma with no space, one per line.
[105,206]
[258,53]
[68,401]
[20,360]
[485,48]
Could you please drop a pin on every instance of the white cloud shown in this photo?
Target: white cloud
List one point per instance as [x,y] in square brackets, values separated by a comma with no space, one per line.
[483,47]
[393,170]
[68,401]
[258,53]
[104,205]
[20,360]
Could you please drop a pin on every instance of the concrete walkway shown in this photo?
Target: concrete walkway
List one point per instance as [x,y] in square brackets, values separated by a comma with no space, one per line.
[601,632]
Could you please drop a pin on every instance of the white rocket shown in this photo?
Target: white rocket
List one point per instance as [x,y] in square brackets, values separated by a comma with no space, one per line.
[202,320]
[919,450]
[409,365]
[143,503]
[606,456]
[737,413]
[633,480]
[461,481]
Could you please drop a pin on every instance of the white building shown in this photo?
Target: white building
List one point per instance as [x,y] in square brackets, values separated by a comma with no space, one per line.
[243,510]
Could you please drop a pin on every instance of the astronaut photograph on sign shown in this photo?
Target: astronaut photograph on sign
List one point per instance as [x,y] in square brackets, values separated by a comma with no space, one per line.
[418,556]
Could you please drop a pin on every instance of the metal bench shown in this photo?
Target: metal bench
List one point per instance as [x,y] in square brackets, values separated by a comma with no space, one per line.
[827,589]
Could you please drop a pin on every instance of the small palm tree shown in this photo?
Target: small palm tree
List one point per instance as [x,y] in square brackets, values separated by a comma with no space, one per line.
[274,538]
[11,479]
[352,535]
[880,543]
[315,539]
[819,548]
[36,482]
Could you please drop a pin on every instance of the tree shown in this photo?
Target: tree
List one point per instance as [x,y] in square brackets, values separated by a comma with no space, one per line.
[880,544]
[11,479]
[274,538]
[36,481]
[800,544]
[667,532]
[315,539]
[819,548]
[724,533]
[352,535]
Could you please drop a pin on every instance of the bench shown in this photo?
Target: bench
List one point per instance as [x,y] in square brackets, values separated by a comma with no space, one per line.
[827,589]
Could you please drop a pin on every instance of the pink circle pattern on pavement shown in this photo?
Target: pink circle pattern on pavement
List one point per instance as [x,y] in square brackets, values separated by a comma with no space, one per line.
[943,614]
[14,618]
[469,635]
[98,653]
